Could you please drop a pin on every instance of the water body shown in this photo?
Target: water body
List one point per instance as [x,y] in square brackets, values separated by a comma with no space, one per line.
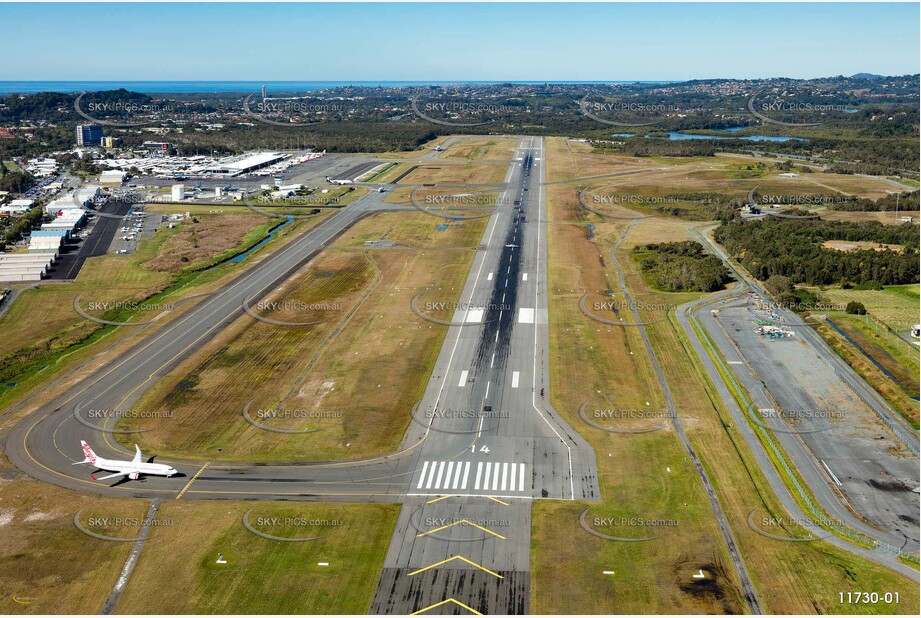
[152,87]
[676,136]
[244,254]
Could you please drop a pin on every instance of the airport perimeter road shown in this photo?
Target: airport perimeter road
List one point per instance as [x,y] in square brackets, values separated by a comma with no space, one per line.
[828,502]
[493,442]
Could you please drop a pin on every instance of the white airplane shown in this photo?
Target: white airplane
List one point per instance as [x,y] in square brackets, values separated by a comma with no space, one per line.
[132,469]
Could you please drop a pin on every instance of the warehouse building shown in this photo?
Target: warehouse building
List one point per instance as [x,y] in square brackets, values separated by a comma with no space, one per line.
[23,267]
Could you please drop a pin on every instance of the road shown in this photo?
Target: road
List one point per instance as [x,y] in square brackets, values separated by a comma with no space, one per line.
[492,464]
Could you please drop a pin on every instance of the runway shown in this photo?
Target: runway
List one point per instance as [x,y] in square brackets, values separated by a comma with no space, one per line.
[488,467]
[487,445]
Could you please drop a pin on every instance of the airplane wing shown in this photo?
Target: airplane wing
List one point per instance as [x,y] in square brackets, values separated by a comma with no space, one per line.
[137,454]
[108,476]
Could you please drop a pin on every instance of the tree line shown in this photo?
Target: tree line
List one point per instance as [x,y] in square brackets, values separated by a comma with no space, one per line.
[792,248]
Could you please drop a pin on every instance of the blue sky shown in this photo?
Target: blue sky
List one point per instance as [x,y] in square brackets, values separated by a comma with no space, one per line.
[455,41]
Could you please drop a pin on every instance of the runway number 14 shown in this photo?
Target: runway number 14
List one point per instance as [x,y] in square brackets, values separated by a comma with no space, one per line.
[483,449]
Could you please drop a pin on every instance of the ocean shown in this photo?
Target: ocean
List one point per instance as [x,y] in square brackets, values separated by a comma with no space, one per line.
[152,87]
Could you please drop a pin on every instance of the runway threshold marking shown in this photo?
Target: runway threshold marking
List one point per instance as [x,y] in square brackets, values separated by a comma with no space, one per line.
[192,480]
[440,603]
[463,521]
[452,559]
[451,475]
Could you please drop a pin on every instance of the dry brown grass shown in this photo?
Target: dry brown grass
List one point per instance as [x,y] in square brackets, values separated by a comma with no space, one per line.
[47,566]
[201,239]
[887,218]
[177,573]
[480,172]
[481,148]
[323,369]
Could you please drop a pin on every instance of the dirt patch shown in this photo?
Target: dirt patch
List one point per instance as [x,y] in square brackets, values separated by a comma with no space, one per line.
[201,239]
[889,485]
[707,588]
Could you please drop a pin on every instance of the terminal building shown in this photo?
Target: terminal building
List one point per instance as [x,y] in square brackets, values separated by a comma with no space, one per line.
[235,166]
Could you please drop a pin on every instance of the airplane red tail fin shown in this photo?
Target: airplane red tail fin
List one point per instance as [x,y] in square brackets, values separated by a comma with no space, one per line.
[90,455]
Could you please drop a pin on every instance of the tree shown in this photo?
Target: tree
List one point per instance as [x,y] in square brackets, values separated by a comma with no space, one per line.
[855,308]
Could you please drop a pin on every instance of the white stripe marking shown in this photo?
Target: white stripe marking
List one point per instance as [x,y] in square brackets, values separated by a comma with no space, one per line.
[489,277]
[466,474]
[521,478]
[524,276]
[448,475]
[486,475]
[511,481]
[431,479]
[504,476]
[495,478]
[457,474]
[425,466]
[526,315]
[515,379]
[441,469]
[463,379]
[479,470]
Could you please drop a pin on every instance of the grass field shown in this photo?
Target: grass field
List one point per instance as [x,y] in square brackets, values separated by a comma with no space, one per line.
[449,172]
[481,148]
[261,576]
[896,305]
[47,566]
[320,372]
[591,361]
[893,311]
